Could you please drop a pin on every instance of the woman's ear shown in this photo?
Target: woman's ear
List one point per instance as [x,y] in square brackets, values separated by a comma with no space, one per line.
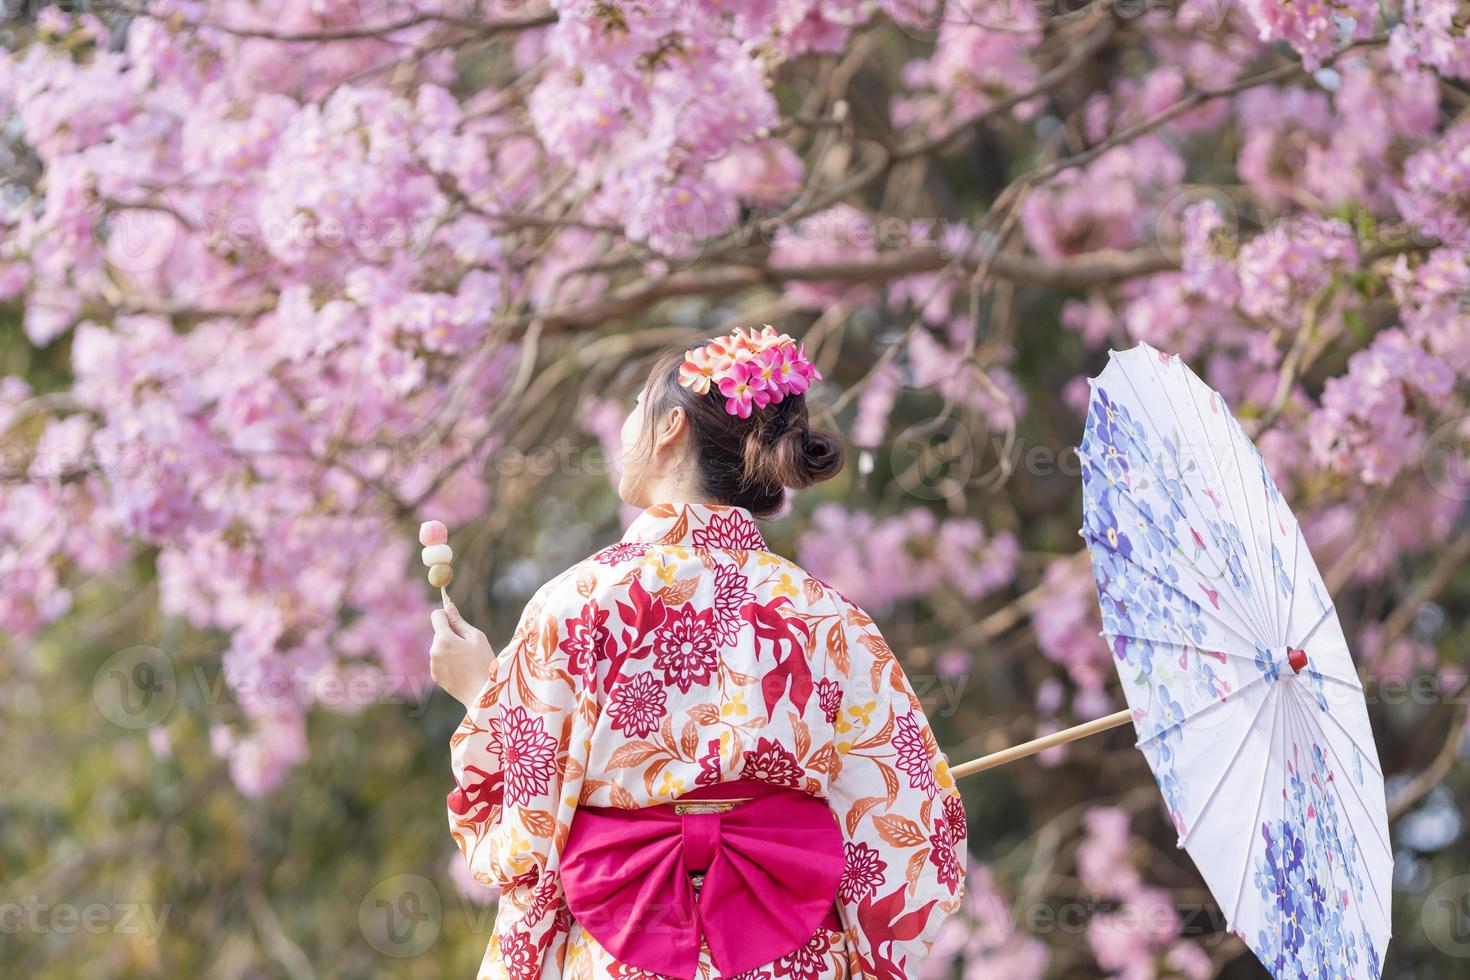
[672,430]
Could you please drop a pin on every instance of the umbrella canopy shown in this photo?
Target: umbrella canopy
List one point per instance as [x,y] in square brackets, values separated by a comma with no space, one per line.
[1243,693]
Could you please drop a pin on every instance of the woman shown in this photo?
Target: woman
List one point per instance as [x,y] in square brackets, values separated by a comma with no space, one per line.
[688,662]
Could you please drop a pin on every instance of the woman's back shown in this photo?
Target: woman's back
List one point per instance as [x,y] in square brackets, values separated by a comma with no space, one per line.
[682,657]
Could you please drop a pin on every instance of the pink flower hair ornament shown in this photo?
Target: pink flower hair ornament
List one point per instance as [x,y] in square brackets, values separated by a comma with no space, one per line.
[752,370]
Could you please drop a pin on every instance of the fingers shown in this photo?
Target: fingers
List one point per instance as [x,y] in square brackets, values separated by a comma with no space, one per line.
[442,657]
[453,619]
[439,620]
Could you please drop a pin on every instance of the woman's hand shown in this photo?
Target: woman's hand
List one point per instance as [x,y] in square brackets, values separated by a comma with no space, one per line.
[460,658]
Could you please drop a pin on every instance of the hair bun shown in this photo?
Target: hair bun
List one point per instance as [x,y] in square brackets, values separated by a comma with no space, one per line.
[821,455]
[800,457]
[795,457]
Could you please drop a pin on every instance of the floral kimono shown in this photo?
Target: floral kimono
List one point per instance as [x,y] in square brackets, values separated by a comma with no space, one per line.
[684,656]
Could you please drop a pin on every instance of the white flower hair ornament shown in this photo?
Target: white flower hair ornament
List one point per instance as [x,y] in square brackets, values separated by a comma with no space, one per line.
[752,370]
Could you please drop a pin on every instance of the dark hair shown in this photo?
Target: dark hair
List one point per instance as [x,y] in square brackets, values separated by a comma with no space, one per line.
[745,462]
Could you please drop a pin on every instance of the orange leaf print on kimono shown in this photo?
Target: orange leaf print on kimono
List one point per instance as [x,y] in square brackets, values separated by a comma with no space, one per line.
[684,656]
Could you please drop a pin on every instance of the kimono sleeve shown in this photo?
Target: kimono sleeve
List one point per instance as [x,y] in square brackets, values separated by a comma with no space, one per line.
[518,760]
[900,812]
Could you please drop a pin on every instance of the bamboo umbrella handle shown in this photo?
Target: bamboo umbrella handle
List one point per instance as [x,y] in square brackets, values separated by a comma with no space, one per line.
[1041,744]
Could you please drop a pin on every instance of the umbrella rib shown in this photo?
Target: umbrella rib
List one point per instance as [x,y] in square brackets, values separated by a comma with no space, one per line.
[1342,802]
[1198,648]
[1186,646]
[1264,583]
[1285,779]
[1234,435]
[1239,610]
[1260,796]
[1200,712]
[1299,725]
[1372,762]
[1303,715]
[1185,484]
[1296,551]
[1350,685]
[1220,781]
[1254,551]
[1338,680]
[1276,561]
[1170,585]
[1194,403]
[1302,643]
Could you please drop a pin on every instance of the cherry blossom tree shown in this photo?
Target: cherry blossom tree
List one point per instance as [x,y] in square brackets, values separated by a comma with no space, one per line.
[281,280]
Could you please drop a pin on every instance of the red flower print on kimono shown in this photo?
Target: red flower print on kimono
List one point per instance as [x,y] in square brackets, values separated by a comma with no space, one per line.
[625,971]
[587,639]
[807,962]
[788,637]
[527,754]
[487,792]
[942,856]
[521,957]
[709,764]
[889,924]
[638,705]
[684,647]
[829,696]
[948,830]
[955,818]
[863,873]
[615,554]
[732,592]
[913,755]
[641,615]
[733,530]
[771,762]
[548,893]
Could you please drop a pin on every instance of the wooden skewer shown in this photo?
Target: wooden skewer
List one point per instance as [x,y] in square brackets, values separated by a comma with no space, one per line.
[1041,744]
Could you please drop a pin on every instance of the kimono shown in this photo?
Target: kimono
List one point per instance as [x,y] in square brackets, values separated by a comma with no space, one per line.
[684,656]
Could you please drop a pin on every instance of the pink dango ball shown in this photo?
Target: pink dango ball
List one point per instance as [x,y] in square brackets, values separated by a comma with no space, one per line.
[433,532]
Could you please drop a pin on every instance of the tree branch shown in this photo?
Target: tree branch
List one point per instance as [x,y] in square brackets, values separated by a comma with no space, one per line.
[377,32]
[1080,272]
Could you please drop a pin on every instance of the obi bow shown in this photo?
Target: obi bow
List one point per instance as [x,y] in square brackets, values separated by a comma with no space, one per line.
[771,871]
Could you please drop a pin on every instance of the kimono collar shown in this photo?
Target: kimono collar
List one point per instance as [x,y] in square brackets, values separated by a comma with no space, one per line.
[698,525]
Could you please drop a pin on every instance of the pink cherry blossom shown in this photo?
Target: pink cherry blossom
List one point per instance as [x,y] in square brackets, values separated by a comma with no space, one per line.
[1281,270]
[1313,29]
[1432,35]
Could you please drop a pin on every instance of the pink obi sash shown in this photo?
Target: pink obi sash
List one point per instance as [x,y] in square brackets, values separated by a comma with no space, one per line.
[771,870]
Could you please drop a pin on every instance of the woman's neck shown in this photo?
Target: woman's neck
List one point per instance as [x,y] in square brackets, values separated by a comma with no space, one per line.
[675,491]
